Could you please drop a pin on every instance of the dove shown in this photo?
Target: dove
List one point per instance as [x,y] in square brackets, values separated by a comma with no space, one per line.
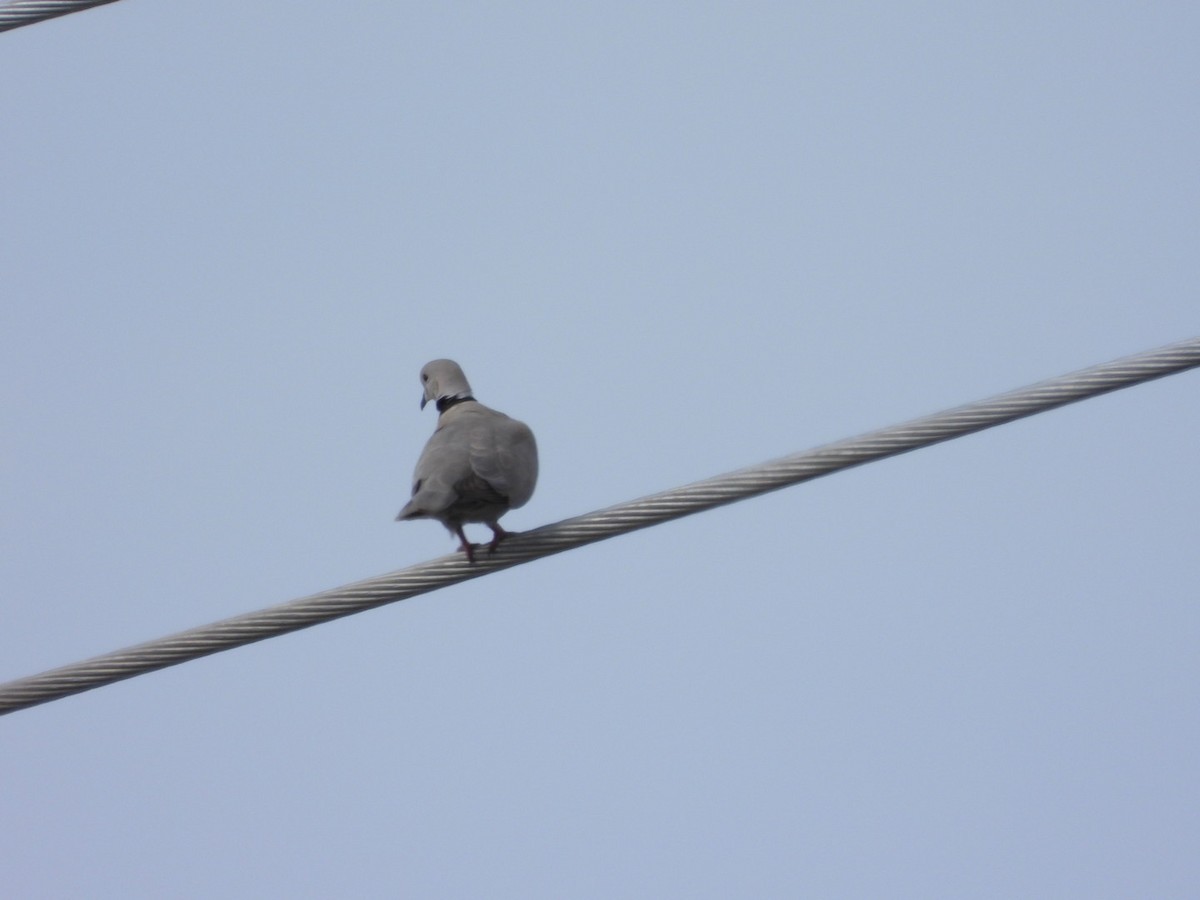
[478,464]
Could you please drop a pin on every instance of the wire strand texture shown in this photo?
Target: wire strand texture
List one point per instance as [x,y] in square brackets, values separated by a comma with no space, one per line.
[597,526]
[16,13]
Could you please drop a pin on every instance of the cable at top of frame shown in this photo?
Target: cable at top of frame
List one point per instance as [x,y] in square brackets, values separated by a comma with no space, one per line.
[16,13]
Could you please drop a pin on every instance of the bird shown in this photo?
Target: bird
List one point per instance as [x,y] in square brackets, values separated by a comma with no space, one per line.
[478,464]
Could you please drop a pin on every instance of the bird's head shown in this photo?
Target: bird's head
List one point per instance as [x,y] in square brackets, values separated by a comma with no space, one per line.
[442,379]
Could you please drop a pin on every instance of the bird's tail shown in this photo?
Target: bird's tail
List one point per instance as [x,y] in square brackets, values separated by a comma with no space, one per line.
[410,512]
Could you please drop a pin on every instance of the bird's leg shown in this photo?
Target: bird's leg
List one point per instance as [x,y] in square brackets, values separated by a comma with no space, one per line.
[467,547]
[498,534]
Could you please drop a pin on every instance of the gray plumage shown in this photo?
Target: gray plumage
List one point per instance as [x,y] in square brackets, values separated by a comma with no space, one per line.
[478,465]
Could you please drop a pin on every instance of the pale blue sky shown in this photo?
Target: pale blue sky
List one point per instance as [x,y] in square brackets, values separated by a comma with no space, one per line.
[676,239]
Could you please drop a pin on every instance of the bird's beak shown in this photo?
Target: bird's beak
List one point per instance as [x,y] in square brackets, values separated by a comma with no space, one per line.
[424,400]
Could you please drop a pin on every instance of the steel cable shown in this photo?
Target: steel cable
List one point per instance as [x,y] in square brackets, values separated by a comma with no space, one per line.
[597,526]
[16,13]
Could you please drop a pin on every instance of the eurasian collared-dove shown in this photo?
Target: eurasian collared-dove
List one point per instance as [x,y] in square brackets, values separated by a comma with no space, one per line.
[478,465]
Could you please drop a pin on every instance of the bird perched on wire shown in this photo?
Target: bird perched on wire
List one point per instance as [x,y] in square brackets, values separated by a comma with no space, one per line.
[478,465]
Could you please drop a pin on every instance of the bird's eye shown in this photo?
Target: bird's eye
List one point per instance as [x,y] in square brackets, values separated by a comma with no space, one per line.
[424,377]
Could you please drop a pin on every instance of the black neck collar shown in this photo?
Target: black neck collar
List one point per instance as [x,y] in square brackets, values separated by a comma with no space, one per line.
[444,403]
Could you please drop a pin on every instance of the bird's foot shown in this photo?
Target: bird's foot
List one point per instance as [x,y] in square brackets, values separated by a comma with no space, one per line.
[498,534]
[466,547]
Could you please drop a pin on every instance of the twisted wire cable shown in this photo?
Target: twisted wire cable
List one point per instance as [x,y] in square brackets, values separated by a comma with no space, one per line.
[16,13]
[597,526]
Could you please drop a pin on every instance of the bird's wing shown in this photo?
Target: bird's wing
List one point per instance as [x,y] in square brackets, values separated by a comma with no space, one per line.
[445,462]
[504,454]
